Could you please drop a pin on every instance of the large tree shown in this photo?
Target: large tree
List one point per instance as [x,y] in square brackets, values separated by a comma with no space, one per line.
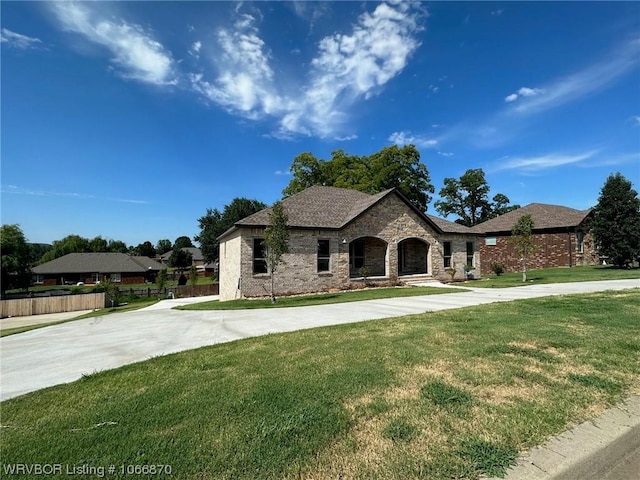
[276,242]
[180,259]
[14,265]
[69,244]
[145,249]
[468,198]
[616,221]
[214,223]
[393,166]
[182,242]
[163,246]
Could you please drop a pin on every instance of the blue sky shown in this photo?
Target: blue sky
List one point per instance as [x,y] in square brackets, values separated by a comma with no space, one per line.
[128,120]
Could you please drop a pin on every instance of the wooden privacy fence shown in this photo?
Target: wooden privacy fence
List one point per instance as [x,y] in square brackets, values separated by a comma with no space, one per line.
[175,291]
[40,305]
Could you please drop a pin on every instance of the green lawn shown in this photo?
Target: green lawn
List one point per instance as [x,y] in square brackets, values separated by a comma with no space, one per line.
[442,395]
[320,299]
[556,275]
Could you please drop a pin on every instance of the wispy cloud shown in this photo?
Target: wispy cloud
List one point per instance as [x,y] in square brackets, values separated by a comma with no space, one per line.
[636,120]
[497,12]
[406,138]
[581,83]
[17,190]
[18,40]
[543,162]
[523,92]
[134,51]
[282,172]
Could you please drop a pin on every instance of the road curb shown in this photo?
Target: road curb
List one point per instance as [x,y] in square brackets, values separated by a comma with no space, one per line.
[587,452]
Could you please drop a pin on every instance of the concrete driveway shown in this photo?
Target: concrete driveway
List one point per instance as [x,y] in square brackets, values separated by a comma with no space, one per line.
[63,353]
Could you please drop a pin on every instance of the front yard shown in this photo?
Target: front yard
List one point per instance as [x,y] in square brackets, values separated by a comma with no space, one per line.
[453,394]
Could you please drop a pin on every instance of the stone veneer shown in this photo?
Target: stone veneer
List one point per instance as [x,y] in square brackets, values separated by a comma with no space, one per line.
[391,221]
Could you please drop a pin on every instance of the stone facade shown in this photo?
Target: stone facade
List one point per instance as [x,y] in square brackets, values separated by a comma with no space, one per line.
[556,249]
[382,229]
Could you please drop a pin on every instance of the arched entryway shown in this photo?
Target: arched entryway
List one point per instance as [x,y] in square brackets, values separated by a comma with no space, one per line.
[368,256]
[413,257]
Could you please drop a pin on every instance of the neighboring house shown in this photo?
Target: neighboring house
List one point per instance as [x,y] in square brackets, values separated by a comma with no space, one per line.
[196,256]
[92,268]
[562,234]
[337,236]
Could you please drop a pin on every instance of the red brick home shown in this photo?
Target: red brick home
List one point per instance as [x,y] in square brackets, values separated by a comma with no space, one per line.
[562,234]
[335,234]
[92,268]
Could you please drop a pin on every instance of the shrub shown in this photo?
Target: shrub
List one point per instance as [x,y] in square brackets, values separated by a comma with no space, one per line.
[497,268]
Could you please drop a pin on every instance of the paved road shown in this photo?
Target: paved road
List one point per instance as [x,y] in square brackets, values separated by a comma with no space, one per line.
[62,353]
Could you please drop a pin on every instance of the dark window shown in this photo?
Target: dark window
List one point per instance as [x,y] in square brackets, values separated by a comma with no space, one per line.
[323,255]
[447,254]
[470,253]
[356,254]
[580,238]
[259,263]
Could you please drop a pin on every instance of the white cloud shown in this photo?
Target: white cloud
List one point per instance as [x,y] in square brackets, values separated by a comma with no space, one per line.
[523,92]
[282,172]
[584,82]
[498,12]
[195,49]
[406,138]
[446,154]
[16,190]
[18,40]
[137,54]
[543,162]
[636,119]
[347,68]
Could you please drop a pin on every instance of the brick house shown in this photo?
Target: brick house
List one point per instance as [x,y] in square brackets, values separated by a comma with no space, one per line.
[336,234]
[91,268]
[562,233]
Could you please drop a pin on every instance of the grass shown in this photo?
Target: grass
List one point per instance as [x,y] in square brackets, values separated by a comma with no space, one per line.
[320,299]
[557,275]
[452,394]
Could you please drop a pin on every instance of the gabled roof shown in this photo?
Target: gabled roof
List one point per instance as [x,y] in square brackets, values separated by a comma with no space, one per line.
[544,216]
[98,263]
[325,208]
[196,253]
[450,227]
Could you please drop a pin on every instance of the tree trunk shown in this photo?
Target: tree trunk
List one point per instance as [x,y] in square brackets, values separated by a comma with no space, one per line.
[273,293]
[524,270]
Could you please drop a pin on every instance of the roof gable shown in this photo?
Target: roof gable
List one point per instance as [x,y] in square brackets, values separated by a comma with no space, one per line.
[326,208]
[544,216]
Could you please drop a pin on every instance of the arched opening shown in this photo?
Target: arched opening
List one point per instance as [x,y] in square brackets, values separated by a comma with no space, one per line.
[413,257]
[367,257]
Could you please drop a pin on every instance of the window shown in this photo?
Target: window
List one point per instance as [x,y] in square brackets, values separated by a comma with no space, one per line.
[116,277]
[38,279]
[96,278]
[259,263]
[470,253]
[323,255]
[491,241]
[356,254]
[447,254]
[580,239]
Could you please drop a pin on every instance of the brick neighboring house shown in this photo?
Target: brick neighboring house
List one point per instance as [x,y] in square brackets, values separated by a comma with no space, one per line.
[334,233]
[91,268]
[562,233]
[197,259]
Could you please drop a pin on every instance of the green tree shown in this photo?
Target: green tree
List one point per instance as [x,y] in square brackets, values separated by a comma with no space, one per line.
[98,244]
[276,242]
[468,198]
[193,275]
[214,223]
[111,291]
[391,167]
[163,246]
[161,280]
[117,246]
[523,241]
[69,244]
[36,251]
[616,221]
[182,242]
[145,249]
[180,259]
[15,265]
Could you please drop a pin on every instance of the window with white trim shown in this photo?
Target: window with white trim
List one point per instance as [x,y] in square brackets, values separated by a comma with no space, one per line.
[116,277]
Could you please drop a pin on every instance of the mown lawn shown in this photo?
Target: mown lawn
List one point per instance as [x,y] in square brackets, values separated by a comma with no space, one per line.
[320,299]
[444,395]
[557,275]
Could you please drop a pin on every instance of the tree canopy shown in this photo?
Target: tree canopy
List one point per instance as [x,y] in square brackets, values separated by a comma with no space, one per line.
[214,223]
[468,198]
[523,241]
[145,249]
[14,266]
[163,246]
[276,242]
[180,259]
[616,221]
[182,242]
[393,166]
[78,244]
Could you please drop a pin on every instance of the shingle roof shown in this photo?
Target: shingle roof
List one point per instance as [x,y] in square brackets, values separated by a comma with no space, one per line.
[98,263]
[318,207]
[449,227]
[196,253]
[544,217]
[324,207]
